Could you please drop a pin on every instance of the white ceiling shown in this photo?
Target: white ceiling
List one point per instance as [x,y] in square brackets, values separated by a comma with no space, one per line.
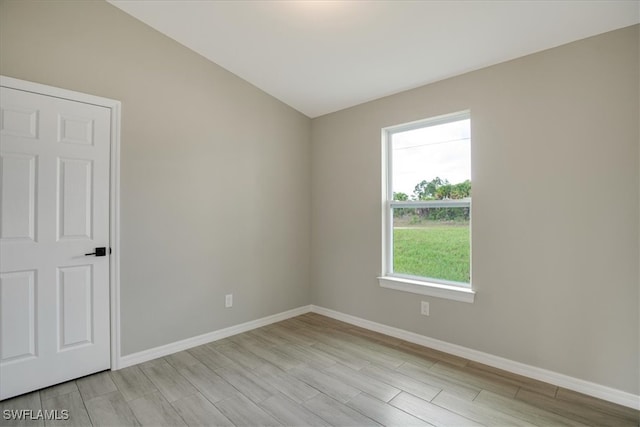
[323,56]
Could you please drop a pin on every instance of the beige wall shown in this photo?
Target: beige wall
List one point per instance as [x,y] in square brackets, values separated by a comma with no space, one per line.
[555,210]
[215,173]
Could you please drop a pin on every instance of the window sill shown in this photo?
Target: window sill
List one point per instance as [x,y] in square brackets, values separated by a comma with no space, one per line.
[428,288]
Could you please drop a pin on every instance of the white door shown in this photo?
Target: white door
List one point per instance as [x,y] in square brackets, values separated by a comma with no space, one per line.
[54,299]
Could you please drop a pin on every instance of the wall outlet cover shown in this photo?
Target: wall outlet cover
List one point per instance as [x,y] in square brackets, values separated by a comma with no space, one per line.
[424,308]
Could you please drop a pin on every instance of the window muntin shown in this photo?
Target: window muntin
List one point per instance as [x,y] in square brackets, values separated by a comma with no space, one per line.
[428,200]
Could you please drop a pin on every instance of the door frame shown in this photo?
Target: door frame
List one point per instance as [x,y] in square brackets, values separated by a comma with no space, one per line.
[114,193]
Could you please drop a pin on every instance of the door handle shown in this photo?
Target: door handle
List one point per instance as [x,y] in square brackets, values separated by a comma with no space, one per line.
[98,252]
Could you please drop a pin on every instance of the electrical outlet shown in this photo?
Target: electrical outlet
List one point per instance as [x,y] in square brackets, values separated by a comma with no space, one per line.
[424,308]
[228,301]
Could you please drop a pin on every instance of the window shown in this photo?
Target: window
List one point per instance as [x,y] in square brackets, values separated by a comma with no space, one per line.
[427,207]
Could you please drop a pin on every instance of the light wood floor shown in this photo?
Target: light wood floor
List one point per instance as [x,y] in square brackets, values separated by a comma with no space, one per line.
[312,370]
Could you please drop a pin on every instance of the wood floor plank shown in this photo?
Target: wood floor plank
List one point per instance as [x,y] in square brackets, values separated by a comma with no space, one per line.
[158,361]
[292,323]
[240,356]
[291,336]
[58,390]
[267,335]
[249,384]
[96,385]
[338,336]
[363,339]
[171,384]
[336,413]
[78,416]
[601,405]
[181,359]
[352,336]
[362,382]
[460,374]
[26,402]
[426,376]
[376,336]
[322,322]
[343,356]
[523,410]
[154,410]
[329,323]
[286,384]
[580,412]
[243,412]
[289,413]
[325,335]
[382,412]
[273,356]
[481,369]
[222,341]
[409,357]
[483,414]
[325,383]
[313,333]
[401,381]
[433,354]
[369,354]
[196,410]
[132,382]
[401,354]
[209,355]
[249,339]
[391,352]
[208,383]
[309,356]
[429,412]
[110,410]
[269,326]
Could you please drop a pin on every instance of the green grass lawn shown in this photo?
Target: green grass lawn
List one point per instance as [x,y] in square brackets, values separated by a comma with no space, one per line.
[436,251]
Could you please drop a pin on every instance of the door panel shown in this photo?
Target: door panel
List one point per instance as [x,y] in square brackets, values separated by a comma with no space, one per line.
[18,197]
[19,121]
[74,299]
[75,130]
[74,198]
[18,307]
[54,307]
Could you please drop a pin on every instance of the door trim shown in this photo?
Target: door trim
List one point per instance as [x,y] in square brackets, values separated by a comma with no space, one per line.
[114,193]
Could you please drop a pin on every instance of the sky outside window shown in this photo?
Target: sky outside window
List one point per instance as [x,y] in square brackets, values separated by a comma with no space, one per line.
[426,153]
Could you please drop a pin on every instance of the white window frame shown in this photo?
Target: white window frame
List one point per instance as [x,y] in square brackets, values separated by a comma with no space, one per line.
[388,279]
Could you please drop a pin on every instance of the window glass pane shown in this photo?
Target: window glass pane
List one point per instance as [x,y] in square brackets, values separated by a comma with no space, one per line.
[432,242]
[428,157]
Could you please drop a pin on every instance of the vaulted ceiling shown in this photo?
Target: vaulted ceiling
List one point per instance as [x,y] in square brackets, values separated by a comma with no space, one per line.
[323,56]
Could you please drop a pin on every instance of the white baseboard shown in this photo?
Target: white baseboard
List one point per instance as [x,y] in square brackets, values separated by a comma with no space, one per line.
[555,378]
[174,347]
